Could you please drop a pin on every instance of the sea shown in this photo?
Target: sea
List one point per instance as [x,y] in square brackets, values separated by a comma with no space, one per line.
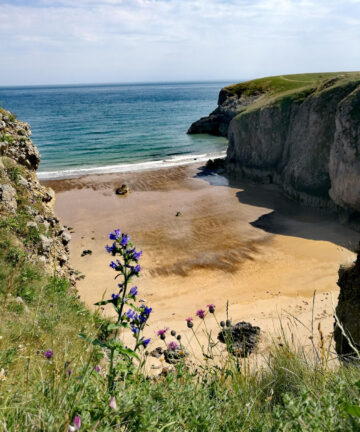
[88,129]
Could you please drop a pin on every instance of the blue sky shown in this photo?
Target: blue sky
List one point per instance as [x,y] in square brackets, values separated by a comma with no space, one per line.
[96,41]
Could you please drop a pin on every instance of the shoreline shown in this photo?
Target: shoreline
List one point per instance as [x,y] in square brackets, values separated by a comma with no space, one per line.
[213,252]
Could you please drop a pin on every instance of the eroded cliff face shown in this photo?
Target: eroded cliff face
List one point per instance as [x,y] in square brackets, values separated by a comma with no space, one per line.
[304,136]
[26,207]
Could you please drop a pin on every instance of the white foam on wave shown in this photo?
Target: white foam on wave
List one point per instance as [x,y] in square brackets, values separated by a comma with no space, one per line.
[123,168]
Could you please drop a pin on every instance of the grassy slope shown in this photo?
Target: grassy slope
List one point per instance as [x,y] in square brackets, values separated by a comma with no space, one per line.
[298,86]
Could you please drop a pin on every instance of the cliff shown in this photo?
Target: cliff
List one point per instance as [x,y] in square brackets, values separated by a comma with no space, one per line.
[301,132]
[26,207]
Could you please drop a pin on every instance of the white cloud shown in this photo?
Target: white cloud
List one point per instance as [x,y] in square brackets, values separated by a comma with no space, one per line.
[45,41]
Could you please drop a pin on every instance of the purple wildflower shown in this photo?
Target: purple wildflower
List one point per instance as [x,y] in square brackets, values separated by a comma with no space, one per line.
[69,372]
[113,265]
[137,255]
[48,353]
[97,368]
[131,314]
[211,308]
[77,422]
[135,330]
[115,235]
[115,296]
[200,313]
[145,342]
[133,291]
[111,249]
[189,322]
[125,239]
[162,331]
[173,346]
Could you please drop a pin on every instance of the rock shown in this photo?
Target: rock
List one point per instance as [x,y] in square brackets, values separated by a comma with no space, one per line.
[19,300]
[65,237]
[32,224]
[45,243]
[2,125]
[174,356]
[86,252]
[8,197]
[122,190]
[306,140]
[215,164]
[241,339]
[48,195]
[157,352]
[348,311]
[22,182]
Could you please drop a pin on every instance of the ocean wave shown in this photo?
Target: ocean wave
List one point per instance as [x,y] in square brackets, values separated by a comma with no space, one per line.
[129,167]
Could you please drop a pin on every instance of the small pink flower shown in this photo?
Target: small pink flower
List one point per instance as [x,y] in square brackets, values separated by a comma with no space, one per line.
[76,423]
[112,403]
[211,307]
[162,332]
[200,313]
[173,346]
[97,368]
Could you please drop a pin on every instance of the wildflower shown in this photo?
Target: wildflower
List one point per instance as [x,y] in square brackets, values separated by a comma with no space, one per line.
[97,368]
[133,291]
[113,265]
[76,423]
[162,332]
[115,296]
[69,372]
[200,313]
[131,314]
[145,342]
[48,354]
[112,403]
[211,308]
[111,249]
[189,322]
[135,330]
[137,255]
[173,346]
[146,310]
[125,239]
[115,235]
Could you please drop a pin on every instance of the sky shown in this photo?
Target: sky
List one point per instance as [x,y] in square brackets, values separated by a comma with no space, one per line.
[115,41]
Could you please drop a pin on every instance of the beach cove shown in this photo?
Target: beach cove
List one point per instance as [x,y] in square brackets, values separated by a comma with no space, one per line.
[234,241]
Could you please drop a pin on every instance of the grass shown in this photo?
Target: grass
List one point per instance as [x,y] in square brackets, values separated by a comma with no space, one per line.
[289,390]
[284,89]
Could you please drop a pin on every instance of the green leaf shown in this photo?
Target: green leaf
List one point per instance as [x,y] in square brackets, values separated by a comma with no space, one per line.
[114,326]
[103,302]
[353,410]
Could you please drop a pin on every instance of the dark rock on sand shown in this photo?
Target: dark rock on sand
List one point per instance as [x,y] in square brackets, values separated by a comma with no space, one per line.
[241,339]
[122,190]
[348,311]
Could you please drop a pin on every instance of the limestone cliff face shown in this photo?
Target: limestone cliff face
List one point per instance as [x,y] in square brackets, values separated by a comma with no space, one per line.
[26,207]
[301,132]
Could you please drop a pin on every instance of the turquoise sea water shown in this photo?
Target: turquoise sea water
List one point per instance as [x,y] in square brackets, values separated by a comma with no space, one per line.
[108,128]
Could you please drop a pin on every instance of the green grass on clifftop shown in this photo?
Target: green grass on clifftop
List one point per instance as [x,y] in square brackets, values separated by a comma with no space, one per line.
[298,85]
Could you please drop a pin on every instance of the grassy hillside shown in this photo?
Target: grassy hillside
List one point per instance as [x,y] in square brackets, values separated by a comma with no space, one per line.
[297,86]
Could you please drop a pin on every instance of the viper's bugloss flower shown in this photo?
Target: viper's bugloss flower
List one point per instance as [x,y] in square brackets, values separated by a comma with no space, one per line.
[112,403]
[130,314]
[200,313]
[173,346]
[69,372]
[135,270]
[145,342]
[211,308]
[124,240]
[115,235]
[115,298]
[133,291]
[97,368]
[146,310]
[48,354]
[111,249]
[137,255]
[135,330]
[113,265]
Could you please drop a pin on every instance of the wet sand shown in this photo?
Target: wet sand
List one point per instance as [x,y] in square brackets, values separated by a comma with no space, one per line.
[240,242]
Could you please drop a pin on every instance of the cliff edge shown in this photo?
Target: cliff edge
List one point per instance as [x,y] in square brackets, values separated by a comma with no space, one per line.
[301,132]
[26,207]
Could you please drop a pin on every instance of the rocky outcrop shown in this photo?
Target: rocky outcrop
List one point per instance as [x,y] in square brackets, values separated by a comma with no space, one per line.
[347,329]
[241,339]
[300,132]
[26,207]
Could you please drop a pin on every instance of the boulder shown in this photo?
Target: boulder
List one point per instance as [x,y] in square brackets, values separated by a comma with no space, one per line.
[241,339]
[8,197]
[348,312]
[122,190]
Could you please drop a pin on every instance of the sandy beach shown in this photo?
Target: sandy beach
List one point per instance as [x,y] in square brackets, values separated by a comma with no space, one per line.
[236,242]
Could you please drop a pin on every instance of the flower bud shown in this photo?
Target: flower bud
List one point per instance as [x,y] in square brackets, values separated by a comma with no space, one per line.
[173,333]
[222,323]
